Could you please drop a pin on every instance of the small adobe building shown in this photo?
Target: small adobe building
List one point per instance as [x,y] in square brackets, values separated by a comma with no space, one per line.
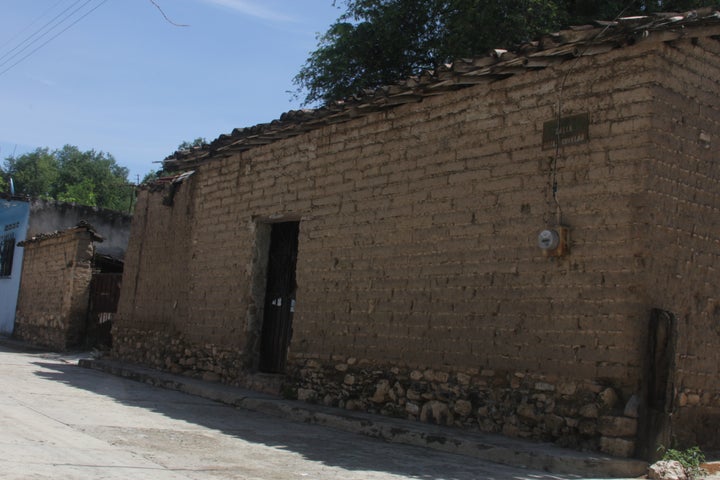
[52,307]
[47,294]
[526,243]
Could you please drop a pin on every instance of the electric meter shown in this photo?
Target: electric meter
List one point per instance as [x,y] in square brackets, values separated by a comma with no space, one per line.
[548,240]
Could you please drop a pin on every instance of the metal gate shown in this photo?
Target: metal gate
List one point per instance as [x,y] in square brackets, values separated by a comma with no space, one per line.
[104,296]
[279,297]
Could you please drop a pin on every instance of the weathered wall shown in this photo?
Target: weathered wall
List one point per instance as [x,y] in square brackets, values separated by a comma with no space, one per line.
[435,266]
[164,301]
[49,215]
[53,301]
[421,292]
[683,213]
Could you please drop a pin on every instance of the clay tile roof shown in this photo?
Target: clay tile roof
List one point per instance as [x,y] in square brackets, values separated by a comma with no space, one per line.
[82,226]
[549,50]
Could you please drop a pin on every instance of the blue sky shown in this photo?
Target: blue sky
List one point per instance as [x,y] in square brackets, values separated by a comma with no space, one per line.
[125,81]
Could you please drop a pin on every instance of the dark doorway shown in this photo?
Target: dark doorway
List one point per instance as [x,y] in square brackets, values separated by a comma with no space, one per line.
[104,297]
[659,384]
[279,303]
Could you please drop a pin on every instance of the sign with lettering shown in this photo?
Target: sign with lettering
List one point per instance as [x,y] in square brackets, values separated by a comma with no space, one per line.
[568,130]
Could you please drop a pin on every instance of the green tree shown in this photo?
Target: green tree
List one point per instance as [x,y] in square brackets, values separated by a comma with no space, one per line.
[82,193]
[82,173]
[71,175]
[371,44]
[378,42]
[198,142]
[33,173]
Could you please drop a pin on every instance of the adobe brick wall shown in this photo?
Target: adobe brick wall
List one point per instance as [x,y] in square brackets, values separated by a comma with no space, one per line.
[421,292]
[683,212]
[54,289]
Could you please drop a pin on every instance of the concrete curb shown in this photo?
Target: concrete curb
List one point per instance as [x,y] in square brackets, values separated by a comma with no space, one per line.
[498,449]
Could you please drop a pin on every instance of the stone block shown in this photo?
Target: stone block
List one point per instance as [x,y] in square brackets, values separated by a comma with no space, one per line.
[667,470]
[632,407]
[544,387]
[463,408]
[587,428]
[617,426]
[306,395]
[567,388]
[590,410]
[436,412]
[412,408]
[381,392]
[527,411]
[608,398]
[617,447]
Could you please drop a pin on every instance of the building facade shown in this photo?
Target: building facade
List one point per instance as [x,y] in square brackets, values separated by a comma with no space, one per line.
[24,218]
[383,255]
[55,288]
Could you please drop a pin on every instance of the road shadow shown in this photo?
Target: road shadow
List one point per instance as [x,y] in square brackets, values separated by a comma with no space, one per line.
[313,442]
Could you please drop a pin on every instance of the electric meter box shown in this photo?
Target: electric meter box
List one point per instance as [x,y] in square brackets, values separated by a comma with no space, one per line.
[554,242]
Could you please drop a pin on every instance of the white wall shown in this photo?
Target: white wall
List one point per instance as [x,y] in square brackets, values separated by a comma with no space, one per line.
[13,219]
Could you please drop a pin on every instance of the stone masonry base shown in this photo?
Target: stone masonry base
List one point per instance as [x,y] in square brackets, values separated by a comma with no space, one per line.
[572,413]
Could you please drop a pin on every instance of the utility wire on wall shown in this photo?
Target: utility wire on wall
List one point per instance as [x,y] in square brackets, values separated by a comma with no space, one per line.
[559,111]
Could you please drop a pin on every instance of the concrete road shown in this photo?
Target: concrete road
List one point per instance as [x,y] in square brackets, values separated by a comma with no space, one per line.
[60,421]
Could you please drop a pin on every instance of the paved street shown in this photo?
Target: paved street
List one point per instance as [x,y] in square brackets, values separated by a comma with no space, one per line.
[64,422]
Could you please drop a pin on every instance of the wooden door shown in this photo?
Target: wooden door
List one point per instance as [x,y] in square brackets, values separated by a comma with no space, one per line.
[279,297]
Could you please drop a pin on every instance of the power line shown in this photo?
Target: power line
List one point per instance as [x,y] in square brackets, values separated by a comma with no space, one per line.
[53,37]
[27,27]
[29,38]
[41,32]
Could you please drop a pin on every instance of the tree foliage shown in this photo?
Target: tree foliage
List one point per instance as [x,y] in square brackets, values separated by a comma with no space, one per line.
[70,175]
[378,42]
[198,142]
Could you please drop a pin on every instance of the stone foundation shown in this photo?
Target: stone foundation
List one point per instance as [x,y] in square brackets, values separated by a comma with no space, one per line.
[700,408]
[173,353]
[572,413]
[51,335]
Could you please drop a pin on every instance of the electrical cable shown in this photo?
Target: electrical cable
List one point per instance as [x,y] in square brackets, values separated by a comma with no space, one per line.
[53,37]
[554,160]
[27,27]
[29,41]
[29,38]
